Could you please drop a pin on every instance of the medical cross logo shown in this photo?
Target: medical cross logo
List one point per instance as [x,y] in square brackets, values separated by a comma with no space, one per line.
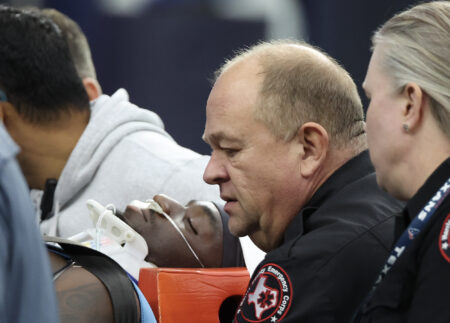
[268,298]
[264,298]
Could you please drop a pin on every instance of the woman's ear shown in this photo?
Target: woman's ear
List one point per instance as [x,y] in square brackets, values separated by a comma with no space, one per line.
[315,141]
[414,107]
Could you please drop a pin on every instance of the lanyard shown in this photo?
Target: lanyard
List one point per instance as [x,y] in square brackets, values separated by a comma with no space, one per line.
[414,228]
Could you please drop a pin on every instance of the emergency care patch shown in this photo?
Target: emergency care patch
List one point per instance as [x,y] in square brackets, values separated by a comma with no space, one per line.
[268,298]
[444,244]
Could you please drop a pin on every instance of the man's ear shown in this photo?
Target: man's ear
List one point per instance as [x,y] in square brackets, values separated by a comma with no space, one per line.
[92,87]
[315,141]
[414,107]
[8,114]
[2,113]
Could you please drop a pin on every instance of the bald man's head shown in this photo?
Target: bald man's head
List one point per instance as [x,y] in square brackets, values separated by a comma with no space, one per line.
[299,84]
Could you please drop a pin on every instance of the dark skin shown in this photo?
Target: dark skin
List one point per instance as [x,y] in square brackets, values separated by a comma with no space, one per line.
[200,223]
[82,297]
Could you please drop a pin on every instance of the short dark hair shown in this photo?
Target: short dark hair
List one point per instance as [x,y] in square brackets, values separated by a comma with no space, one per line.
[77,41]
[37,73]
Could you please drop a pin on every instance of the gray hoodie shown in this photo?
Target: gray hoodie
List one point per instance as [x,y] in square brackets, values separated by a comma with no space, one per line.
[123,154]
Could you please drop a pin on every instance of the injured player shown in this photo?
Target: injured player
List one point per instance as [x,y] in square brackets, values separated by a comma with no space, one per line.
[163,233]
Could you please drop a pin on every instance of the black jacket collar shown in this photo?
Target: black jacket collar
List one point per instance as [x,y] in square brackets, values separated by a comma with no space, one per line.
[428,189]
[351,171]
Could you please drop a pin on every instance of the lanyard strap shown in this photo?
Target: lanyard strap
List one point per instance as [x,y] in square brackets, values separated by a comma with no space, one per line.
[414,228]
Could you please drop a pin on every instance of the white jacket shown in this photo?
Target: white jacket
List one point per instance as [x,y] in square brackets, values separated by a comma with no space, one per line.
[123,154]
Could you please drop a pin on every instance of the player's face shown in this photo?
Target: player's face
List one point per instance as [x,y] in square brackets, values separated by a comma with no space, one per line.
[199,222]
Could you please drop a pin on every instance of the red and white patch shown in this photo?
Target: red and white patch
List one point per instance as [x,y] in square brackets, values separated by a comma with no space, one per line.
[444,243]
[268,298]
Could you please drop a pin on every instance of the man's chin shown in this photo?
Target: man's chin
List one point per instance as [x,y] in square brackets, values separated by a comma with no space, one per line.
[237,229]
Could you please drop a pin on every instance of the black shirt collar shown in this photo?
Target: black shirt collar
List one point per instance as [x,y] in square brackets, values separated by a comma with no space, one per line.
[351,171]
[428,189]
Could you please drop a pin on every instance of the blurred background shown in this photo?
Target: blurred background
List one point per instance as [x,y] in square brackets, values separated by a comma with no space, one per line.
[165,52]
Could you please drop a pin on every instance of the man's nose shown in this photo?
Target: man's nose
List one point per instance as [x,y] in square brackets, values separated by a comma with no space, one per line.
[215,171]
[169,205]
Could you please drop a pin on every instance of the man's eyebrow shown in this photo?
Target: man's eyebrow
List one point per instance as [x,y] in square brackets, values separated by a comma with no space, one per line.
[207,210]
[220,136]
[210,214]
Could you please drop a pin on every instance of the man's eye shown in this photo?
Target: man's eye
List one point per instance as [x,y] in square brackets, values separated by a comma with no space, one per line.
[190,224]
[230,152]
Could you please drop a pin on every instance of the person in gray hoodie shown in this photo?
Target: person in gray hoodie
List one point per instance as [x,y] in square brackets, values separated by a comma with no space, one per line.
[73,149]
[123,154]
[188,175]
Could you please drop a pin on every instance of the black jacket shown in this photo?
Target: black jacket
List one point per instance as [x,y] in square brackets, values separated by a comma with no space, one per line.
[417,288]
[331,254]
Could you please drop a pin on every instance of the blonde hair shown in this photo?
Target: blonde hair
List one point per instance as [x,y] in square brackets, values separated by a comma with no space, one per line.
[416,48]
[302,84]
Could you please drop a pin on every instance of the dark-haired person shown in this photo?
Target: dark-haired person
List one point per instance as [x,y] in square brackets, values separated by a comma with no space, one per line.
[26,289]
[408,129]
[73,150]
[287,132]
[79,48]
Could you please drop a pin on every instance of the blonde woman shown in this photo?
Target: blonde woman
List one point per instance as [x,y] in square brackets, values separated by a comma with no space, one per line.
[408,128]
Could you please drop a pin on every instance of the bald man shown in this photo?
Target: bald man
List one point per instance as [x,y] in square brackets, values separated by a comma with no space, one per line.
[286,128]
